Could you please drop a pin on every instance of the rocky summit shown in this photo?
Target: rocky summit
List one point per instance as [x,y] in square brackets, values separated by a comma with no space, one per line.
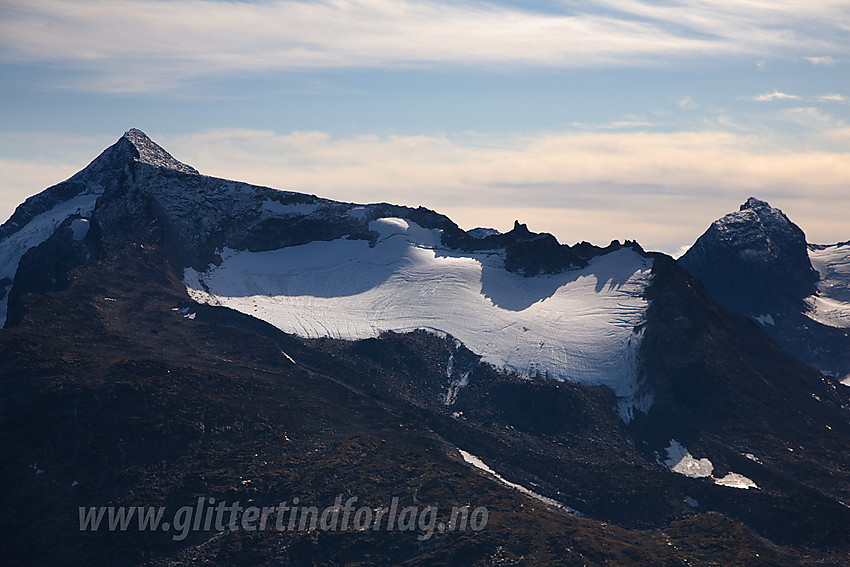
[753,260]
[757,262]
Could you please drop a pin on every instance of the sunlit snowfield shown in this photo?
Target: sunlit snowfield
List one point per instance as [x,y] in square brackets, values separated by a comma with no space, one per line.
[580,325]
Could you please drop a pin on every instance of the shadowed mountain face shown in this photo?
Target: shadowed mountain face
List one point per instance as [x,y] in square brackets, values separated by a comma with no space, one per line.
[754,260]
[757,262]
[117,388]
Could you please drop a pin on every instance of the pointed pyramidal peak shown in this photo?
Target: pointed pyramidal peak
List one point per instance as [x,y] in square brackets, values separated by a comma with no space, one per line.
[753,259]
[82,189]
[134,147]
[150,153]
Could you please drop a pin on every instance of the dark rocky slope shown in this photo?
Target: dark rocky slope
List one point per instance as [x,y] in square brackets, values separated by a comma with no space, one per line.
[105,386]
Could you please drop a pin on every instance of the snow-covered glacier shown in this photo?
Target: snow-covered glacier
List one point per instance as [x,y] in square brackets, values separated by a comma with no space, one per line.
[582,325]
[831,305]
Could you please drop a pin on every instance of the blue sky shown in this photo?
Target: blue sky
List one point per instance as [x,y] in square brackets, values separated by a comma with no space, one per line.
[590,120]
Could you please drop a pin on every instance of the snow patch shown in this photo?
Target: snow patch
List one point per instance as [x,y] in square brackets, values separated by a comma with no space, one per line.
[34,233]
[578,325]
[482,232]
[679,460]
[479,464]
[456,385]
[765,319]
[735,480]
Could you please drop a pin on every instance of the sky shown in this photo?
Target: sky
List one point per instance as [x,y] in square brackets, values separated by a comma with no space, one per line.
[592,120]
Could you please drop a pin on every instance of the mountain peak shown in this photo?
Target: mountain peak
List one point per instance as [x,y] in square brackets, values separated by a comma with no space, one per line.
[754,224]
[102,174]
[754,204]
[149,152]
[754,260]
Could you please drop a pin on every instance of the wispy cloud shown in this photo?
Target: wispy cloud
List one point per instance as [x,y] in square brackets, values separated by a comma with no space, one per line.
[775,95]
[147,45]
[821,60]
[831,97]
[686,103]
[778,95]
[812,118]
[615,125]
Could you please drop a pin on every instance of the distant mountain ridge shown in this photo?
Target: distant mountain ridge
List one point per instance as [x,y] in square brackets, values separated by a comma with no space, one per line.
[172,336]
[201,214]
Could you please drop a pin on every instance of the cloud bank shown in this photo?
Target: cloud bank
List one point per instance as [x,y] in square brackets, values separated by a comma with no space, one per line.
[155,45]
